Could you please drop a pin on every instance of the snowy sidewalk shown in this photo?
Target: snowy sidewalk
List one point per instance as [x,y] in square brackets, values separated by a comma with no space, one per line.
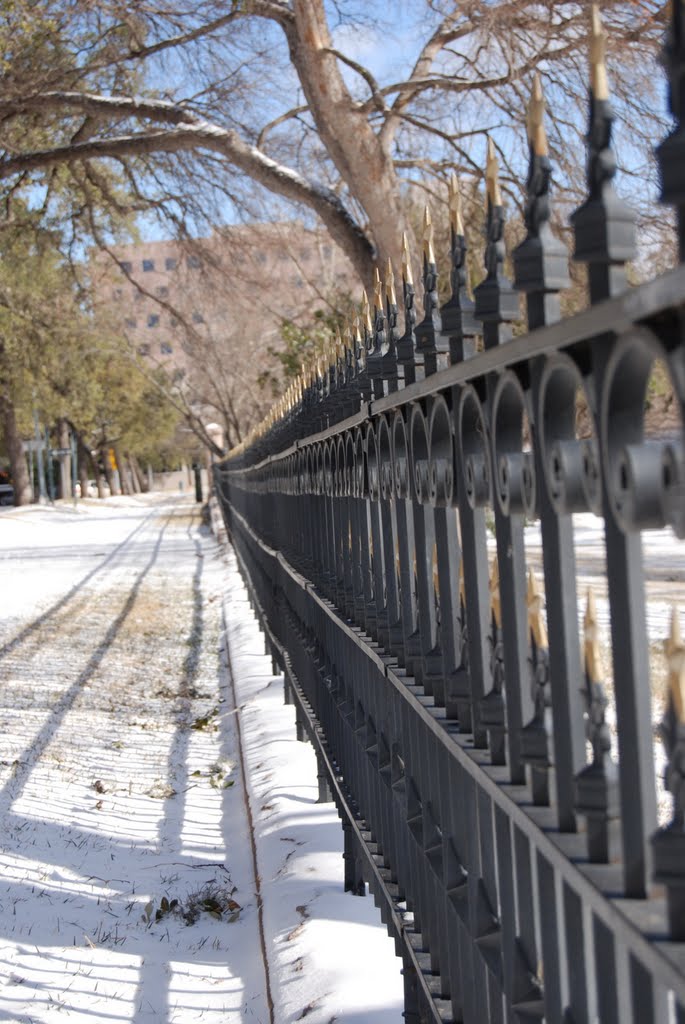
[127,886]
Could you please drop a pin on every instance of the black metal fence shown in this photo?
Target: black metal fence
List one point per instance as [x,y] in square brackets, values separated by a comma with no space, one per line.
[504,820]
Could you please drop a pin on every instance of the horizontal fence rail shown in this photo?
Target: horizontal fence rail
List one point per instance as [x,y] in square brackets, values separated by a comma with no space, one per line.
[496,784]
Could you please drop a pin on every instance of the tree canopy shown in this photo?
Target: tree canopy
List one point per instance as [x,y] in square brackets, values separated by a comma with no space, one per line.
[183,107]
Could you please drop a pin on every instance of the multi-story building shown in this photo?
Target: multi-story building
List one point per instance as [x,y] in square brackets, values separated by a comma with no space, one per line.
[210,311]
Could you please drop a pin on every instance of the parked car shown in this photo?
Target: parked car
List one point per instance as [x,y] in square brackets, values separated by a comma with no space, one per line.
[6,489]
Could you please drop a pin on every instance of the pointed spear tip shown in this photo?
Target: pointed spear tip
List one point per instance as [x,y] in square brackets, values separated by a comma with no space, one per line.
[598,70]
[455,205]
[406,261]
[675,635]
[428,253]
[492,188]
[536,119]
[390,284]
[366,311]
[675,654]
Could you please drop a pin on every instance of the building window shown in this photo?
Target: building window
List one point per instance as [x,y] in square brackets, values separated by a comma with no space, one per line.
[143,350]
[193,262]
[305,254]
[126,266]
[173,321]
[298,282]
[153,319]
[148,264]
[260,257]
[117,293]
[163,291]
[327,251]
[170,263]
[198,318]
[165,348]
[130,323]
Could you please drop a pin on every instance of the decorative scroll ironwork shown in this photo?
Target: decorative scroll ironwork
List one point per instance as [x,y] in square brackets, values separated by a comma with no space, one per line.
[503,819]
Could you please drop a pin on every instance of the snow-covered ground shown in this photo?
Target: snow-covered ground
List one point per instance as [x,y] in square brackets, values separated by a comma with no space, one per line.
[128,655]
[127,882]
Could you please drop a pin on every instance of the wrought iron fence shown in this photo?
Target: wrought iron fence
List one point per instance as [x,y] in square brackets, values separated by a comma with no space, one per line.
[504,820]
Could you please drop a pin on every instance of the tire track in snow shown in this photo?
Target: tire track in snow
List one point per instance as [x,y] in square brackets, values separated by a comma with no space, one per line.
[23,765]
[72,602]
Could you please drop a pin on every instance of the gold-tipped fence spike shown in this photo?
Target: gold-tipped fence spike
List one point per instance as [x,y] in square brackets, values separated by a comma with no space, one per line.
[492,189]
[495,602]
[592,655]
[455,206]
[536,119]
[390,284]
[427,239]
[675,657]
[536,620]
[366,312]
[462,583]
[377,290]
[406,261]
[598,49]
[436,576]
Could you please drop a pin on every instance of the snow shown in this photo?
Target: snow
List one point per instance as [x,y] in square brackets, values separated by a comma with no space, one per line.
[121,786]
[128,657]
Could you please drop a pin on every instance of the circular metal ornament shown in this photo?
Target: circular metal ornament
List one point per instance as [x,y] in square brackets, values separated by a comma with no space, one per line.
[473,452]
[441,462]
[514,465]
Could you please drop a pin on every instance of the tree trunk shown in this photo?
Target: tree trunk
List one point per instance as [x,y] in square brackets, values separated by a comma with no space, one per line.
[138,479]
[86,465]
[123,470]
[363,162]
[17,456]
[63,442]
[109,472]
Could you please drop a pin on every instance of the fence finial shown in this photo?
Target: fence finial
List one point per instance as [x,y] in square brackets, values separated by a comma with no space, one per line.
[497,304]
[598,49]
[406,261]
[365,315]
[536,119]
[457,312]
[675,656]
[428,254]
[377,290]
[390,284]
[455,207]
[593,659]
[541,260]
[604,226]
[492,188]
